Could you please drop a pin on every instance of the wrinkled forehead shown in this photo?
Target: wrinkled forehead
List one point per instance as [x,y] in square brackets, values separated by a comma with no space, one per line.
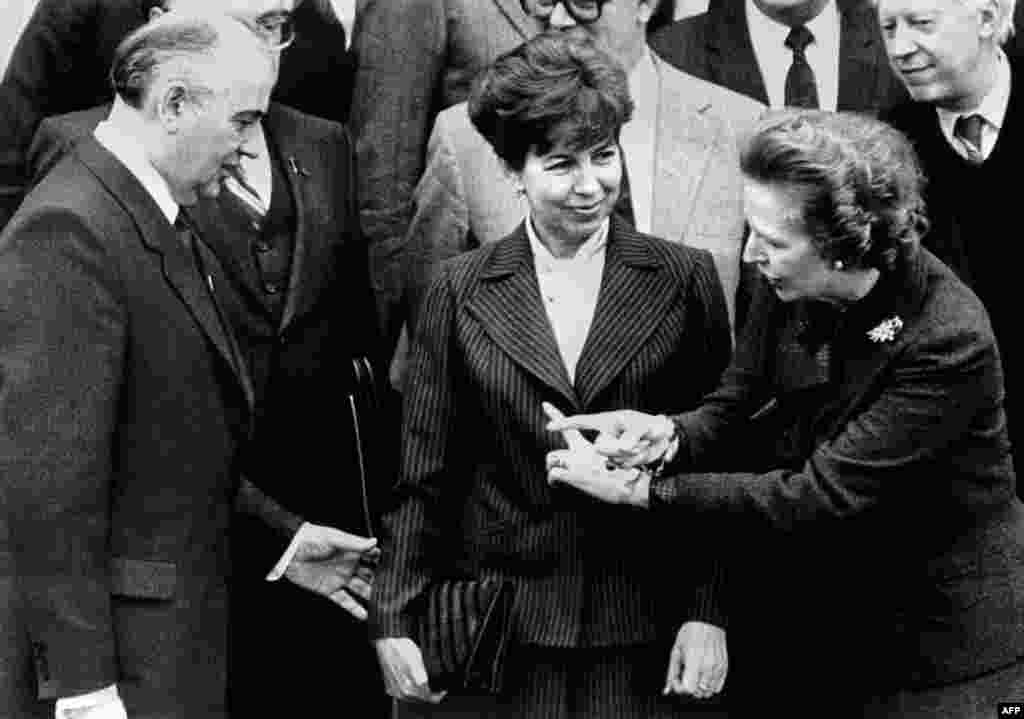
[253,7]
[915,7]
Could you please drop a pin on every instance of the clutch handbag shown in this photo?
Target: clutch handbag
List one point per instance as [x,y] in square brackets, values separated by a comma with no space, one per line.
[464,634]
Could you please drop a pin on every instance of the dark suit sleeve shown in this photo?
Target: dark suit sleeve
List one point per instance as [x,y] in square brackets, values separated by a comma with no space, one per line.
[429,472]
[931,394]
[62,332]
[400,48]
[35,79]
[710,320]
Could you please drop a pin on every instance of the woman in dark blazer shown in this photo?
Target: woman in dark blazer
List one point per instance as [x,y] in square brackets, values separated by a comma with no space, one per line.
[880,504]
[576,309]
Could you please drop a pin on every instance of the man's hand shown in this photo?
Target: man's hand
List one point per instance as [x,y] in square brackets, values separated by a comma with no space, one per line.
[405,676]
[627,437]
[336,564]
[699,661]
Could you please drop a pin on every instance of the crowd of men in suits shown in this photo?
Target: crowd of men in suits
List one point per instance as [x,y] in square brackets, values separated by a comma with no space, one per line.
[179,286]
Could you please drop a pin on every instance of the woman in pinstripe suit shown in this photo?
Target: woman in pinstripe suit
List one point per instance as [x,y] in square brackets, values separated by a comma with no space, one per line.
[576,309]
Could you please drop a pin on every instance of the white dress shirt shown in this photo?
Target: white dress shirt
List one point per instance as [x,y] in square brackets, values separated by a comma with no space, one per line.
[569,287]
[773,57]
[118,134]
[992,109]
[638,138]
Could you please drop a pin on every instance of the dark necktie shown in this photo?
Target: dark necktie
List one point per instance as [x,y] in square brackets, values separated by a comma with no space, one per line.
[968,129]
[801,89]
[624,205]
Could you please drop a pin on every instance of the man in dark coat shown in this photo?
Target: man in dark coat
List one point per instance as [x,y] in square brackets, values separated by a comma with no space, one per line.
[733,44]
[966,103]
[129,402]
[61,63]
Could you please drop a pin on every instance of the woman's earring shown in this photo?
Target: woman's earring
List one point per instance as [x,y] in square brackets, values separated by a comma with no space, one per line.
[837,265]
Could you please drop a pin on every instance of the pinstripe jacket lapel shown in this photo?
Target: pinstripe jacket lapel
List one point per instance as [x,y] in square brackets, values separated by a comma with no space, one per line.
[635,294]
[508,306]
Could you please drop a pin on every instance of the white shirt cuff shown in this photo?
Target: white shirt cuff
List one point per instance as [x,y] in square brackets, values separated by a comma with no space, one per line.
[101,704]
[282,564]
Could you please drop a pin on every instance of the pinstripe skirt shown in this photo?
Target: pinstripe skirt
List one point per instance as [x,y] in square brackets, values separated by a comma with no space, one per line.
[592,683]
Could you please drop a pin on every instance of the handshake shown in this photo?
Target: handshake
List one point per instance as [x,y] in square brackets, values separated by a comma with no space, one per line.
[617,466]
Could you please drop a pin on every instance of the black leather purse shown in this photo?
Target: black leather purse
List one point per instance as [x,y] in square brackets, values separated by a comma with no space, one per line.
[465,632]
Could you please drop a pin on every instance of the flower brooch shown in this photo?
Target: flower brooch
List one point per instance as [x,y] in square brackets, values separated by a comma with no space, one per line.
[886,330]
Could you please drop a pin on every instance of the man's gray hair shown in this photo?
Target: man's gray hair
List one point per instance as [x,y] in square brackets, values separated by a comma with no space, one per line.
[170,41]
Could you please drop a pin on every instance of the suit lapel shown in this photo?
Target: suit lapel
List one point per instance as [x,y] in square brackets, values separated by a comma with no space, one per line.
[731,59]
[513,10]
[859,74]
[301,166]
[684,147]
[508,306]
[177,262]
[635,295]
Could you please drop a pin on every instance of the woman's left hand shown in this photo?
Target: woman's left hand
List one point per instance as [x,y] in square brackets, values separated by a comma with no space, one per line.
[587,471]
[699,661]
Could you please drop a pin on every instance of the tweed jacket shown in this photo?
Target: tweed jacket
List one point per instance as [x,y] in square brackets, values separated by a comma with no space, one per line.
[414,58]
[888,428]
[715,46]
[124,411]
[473,496]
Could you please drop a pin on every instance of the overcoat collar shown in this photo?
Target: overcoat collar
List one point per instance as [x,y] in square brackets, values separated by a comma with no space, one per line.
[177,262]
[636,292]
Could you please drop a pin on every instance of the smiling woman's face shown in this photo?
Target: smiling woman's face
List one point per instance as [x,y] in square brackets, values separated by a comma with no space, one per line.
[571,192]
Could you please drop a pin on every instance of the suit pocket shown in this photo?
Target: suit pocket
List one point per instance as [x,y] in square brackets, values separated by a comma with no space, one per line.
[143,578]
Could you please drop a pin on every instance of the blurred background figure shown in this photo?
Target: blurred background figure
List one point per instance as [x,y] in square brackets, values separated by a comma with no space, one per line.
[825,54]
[966,122]
[576,308]
[869,378]
[61,61]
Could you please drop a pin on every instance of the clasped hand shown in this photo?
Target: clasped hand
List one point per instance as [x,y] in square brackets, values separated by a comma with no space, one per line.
[605,469]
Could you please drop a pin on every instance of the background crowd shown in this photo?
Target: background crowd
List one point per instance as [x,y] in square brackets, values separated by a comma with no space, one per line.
[285,284]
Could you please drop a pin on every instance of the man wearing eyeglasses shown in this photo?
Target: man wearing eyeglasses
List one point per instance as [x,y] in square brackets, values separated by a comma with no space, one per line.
[62,57]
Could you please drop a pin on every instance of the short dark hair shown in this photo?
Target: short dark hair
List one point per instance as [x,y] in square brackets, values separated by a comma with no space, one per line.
[857,181]
[557,87]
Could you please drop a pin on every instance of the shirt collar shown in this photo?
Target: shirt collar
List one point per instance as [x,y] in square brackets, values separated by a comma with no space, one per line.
[992,107]
[825,23]
[119,134]
[592,247]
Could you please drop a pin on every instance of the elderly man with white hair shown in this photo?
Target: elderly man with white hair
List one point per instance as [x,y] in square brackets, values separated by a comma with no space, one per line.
[966,122]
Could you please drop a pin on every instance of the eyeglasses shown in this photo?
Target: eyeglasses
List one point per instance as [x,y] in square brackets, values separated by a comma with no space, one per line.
[279,28]
[582,11]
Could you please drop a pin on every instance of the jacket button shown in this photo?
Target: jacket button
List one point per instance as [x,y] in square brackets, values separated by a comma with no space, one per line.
[262,246]
[271,288]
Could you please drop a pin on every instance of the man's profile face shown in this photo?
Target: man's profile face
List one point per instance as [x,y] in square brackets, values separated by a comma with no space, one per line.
[934,46]
[216,125]
[274,16]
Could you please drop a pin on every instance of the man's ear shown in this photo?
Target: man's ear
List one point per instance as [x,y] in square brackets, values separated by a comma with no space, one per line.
[172,104]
